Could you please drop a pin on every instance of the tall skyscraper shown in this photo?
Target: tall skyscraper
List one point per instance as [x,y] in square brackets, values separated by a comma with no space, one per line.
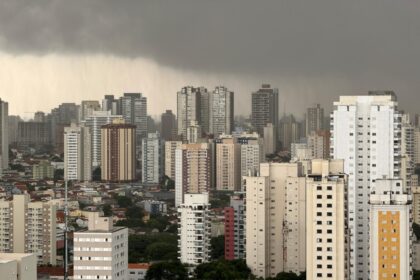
[87,108]
[170,148]
[221,106]
[28,227]
[319,144]
[189,108]
[134,111]
[109,103]
[118,151]
[252,154]
[101,251]
[235,228]
[270,139]
[77,153]
[275,236]
[192,170]
[194,229]
[265,108]
[314,119]
[366,133]
[13,129]
[391,230]
[4,136]
[290,131]
[152,159]
[326,223]
[168,124]
[95,121]
[228,163]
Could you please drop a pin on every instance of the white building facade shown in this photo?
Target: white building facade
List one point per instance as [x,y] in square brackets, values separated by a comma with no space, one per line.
[194,229]
[366,133]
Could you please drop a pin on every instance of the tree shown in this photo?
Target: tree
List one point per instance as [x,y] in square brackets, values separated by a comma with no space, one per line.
[58,174]
[217,247]
[124,201]
[222,269]
[107,210]
[97,174]
[416,230]
[142,248]
[167,271]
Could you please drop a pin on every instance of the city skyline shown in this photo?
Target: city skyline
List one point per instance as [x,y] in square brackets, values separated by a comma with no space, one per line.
[313,53]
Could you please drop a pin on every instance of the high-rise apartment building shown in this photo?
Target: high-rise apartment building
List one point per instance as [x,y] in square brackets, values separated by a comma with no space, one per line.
[235,228]
[265,109]
[118,151]
[194,133]
[228,163]
[33,134]
[134,111]
[314,119]
[168,126]
[28,227]
[192,170]
[194,232]
[109,103]
[270,139]
[95,121]
[221,106]
[252,154]
[415,191]
[366,134]
[326,224]
[275,236]
[152,159]
[13,129]
[416,145]
[87,108]
[170,148]
[101,251]
[77,153]
[319,144]
[4,136]
[407,150]
[189,108]
[290,131]
[390,230]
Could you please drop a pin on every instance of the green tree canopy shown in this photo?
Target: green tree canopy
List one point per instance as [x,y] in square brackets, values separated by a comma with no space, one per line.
[167,271]
[223,270]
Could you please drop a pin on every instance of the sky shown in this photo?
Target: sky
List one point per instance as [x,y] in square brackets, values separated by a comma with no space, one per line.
[54,51]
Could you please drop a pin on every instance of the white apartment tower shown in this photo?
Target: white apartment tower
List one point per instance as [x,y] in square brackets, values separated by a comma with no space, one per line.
[275,220]
[366,134]
[170,148]
[95,121]
[252,154]
[77,153]
[28,227]
[192,170]
[326,225]
[4,136]
[152,159]
[221,111]
[391,233]
[101,251]
[194,229]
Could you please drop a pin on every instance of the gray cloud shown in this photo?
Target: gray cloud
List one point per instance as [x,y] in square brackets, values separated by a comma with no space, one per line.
[368,44]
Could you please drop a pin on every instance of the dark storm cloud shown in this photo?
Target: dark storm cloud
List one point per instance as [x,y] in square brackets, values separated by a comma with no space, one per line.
[373,44]
[253,36]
